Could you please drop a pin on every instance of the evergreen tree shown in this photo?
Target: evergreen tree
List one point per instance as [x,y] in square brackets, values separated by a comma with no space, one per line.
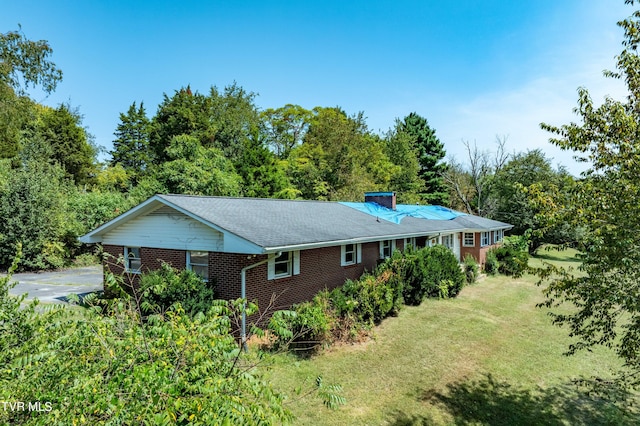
[185,113]
[61,128]
[430,154]
[263,174]
[131,146]
[400,149]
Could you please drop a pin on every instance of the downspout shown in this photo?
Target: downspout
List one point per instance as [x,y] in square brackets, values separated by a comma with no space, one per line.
[243,295]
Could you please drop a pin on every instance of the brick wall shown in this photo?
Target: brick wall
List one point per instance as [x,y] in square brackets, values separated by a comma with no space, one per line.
[319,269]
[112,259]
[150,257]
[479,253]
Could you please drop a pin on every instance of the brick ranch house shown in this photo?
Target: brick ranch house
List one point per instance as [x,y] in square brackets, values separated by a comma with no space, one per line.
[259,248]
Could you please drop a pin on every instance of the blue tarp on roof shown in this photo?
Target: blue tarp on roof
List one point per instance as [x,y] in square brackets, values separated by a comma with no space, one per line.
[405,210]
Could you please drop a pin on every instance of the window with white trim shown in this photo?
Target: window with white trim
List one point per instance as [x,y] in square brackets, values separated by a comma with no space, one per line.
[282,265]
[469,239]
[285,265]
[350,254]
[484,239]
[410,242]
[132,260]
[447,241]
[498,235]
[386,248]
[198,262]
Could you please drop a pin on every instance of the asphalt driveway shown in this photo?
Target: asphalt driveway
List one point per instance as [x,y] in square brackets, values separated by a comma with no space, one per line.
[55,286]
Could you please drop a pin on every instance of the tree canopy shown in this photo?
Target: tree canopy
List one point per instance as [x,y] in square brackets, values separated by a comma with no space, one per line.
[605,292]
[430,152]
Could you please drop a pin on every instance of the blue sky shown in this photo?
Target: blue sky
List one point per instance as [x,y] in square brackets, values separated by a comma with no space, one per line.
[474,69]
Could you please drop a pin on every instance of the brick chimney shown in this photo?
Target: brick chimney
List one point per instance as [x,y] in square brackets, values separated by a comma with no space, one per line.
[385,199]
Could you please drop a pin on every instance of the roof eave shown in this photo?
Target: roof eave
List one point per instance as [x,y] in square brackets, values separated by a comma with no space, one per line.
[95,236]
[358,240]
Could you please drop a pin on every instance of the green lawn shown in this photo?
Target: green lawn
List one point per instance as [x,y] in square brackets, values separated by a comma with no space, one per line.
[487,357]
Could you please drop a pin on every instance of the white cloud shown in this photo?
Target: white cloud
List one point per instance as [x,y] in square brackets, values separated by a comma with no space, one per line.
[518,112]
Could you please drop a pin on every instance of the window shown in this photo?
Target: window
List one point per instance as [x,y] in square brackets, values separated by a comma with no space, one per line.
[285,265]
[409,242]
[198,262]
[484,240]
[386,248]
[469,239]
[351,254]
[132,260]
[498,235]
[447,241]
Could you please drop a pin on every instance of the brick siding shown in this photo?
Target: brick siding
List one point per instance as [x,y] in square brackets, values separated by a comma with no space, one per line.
[319,269]
[479,253]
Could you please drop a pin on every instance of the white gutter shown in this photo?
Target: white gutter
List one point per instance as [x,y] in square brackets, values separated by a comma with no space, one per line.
[243,295]
[332,243]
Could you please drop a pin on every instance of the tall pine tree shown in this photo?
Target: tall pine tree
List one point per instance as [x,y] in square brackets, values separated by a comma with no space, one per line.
[430,154]
[131,146]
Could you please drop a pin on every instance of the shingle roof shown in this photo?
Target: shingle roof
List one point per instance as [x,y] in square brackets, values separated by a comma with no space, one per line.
[279,223]
[477,223]
[273,223]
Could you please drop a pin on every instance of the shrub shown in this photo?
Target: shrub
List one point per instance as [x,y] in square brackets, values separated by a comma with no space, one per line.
[440,264]
[305,328]
[471,270]
[163,288]
[350,310]
[370,299]
[491,263]
[116,369]
[512,261]
[423,271]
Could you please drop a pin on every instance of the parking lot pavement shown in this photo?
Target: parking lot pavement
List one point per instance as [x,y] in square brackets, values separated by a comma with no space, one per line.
[55,286]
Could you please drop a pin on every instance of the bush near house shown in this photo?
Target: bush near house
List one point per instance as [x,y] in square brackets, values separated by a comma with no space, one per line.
[163,288]
[349,311]
[512,257]
[110,367]
[428,272]
[491,263]
[471,270]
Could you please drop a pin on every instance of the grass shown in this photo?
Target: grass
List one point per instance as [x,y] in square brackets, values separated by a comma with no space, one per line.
[489,356]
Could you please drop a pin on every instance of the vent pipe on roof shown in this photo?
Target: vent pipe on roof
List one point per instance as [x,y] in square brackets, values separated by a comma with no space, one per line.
[385,199]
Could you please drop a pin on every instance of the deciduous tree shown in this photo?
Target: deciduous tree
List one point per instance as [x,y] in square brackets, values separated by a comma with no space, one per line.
[34,213]
[193,169]
[470,185]
[512,187]
[605,294]
[23,63]
[285,127]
